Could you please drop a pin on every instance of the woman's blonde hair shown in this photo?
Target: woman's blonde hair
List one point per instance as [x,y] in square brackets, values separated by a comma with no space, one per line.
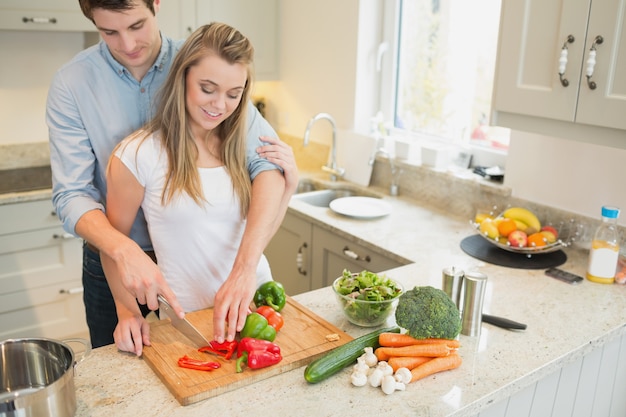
[172,121]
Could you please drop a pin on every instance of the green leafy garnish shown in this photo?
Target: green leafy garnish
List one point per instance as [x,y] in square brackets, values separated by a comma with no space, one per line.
[367,286]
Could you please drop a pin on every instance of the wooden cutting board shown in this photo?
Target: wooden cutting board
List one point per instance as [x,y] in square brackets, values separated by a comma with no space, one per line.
[302,339]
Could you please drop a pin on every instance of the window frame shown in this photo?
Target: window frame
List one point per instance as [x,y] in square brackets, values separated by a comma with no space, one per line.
[481,155]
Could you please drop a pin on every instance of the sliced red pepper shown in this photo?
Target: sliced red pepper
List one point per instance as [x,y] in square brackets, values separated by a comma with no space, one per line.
[225,349]
[257,353]
[274,318]
[190,363]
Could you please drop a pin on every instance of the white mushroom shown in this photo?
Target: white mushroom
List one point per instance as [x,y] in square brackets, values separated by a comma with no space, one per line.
[369,356]
[389,385]
[376,377]
[385,367]
[403,375]
[358,379]
[361,366]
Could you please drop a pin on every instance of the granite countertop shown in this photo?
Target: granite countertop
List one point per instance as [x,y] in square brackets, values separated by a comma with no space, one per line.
[564,322]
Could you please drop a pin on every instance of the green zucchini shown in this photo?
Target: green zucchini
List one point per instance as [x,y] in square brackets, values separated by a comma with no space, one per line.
[342,356]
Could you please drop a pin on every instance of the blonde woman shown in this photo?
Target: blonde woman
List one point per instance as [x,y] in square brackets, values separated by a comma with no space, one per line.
[187,170]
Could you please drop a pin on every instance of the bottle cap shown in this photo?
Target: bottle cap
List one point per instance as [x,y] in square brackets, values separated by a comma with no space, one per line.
[610,212]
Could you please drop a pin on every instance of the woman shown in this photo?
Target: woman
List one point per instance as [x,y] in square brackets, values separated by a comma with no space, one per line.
[187,171]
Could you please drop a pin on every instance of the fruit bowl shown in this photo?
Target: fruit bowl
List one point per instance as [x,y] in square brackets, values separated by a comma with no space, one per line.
[558,235]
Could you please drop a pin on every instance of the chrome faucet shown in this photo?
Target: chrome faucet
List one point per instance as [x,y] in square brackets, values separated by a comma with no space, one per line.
[395,171]
[333,169]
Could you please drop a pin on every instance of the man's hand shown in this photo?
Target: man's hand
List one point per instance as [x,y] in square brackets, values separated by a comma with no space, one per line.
[132,331]
[281,154]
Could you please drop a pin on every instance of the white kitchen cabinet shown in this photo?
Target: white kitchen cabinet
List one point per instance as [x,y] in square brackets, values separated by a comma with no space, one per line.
[61,15]
[333,253]
[256,19]
[304,256]
[40,274]
[289,255]
[532,36]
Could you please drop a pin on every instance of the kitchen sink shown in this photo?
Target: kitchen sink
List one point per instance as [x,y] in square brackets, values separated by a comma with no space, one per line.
[320,194]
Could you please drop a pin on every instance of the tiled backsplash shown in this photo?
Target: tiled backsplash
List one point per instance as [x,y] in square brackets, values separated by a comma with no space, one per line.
[457,193]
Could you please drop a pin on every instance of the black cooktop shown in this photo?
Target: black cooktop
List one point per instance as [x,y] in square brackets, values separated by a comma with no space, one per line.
[25,179]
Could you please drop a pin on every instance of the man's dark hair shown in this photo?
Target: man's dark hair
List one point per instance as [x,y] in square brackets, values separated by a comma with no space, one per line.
[87,6]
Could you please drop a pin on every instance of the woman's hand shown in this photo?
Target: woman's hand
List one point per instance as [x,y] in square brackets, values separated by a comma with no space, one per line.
[232,303]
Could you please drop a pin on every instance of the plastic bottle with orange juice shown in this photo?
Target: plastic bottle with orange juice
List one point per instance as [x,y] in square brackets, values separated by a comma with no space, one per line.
[604,251]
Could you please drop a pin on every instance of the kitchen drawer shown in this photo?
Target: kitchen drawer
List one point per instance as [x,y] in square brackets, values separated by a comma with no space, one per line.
[40,274]
[35,259]
[333,253]
[45,20]
[62,316]
[31,215]
[49,294]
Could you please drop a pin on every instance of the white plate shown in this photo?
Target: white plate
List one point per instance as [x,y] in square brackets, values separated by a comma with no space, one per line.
[360,207]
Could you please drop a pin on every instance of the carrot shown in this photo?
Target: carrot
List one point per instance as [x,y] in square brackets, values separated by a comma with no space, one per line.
[430,350]
[436,365]
[399,340]
[408,362]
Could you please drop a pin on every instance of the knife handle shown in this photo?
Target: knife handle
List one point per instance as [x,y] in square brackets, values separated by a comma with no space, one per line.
[502,322]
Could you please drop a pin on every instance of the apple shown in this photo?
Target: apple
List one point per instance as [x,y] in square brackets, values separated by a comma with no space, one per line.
[518,239]
[551,230]
[549,236]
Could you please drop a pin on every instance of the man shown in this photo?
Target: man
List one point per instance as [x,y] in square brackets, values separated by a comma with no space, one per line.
[105,93]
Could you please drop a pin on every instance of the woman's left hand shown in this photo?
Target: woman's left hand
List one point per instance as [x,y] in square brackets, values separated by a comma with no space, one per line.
[281,154]
[232,303]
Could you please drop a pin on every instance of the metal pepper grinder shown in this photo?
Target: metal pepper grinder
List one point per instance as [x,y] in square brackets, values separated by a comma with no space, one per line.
[474,284]
[452,284]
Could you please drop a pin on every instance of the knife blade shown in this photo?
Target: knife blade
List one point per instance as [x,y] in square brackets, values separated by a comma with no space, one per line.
[502,322]
[183,325]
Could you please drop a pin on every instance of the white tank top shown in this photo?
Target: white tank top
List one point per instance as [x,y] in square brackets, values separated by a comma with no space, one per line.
[195,244]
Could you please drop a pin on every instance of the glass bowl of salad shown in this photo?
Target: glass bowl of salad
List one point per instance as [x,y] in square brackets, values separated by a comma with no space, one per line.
[367,299]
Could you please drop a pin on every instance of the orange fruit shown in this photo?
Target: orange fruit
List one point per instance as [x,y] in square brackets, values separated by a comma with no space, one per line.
[536,240]
[506,226]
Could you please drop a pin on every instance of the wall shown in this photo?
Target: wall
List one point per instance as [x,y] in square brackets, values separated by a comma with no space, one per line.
[570,175]
[319,58]
[29,62]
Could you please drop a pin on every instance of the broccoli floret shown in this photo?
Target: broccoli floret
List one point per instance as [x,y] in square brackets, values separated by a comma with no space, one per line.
[427,312]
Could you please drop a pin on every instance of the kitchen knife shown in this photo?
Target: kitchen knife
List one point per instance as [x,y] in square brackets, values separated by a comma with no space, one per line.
[502,322]
[182,325]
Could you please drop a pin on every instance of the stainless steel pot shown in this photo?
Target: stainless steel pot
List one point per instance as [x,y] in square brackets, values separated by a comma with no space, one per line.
[37,377]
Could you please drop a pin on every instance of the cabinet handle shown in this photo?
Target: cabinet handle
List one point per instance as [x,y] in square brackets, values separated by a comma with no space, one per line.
[75,290]
[300,259]
[63,236]
[39,20]
[353,255]
[563,60]
[591,61]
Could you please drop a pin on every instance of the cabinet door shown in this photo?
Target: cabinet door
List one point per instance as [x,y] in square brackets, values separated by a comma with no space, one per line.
[63,15]
[333,253]
[257,20]
[289,255]
[606,104]
[532,34]
[177,18]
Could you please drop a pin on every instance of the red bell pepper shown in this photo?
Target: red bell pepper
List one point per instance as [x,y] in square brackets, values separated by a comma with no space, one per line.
[190,363]
[274,318]
[257,353]
[225,349]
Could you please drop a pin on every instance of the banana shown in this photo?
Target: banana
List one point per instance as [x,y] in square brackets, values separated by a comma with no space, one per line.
[520,225]
[525,216]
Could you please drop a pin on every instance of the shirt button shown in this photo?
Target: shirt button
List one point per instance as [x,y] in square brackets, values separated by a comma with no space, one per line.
[143,90]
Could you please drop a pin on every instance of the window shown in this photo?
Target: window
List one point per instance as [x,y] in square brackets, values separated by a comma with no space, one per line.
[443,70]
